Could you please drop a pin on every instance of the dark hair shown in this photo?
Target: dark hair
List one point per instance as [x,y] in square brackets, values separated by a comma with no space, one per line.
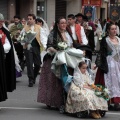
[17,16]
[71,16]
[56,31]
[32,15]
[81,64]
[39,20]
[108,26]
[57,22]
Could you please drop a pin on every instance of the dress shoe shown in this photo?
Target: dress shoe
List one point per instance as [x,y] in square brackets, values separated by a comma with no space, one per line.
[30,85]
[94,115]
[98,114]
[34,81]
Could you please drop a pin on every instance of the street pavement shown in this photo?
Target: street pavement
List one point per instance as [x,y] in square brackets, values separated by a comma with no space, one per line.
[22,105]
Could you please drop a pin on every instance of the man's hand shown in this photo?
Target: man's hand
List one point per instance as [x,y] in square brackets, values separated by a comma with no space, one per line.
[25,45]
[52,50]
[94,67]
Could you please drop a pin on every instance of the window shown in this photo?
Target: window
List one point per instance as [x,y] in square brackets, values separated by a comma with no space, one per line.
[41,8]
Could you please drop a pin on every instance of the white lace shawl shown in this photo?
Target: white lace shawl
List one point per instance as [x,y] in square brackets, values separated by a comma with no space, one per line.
[112,46]
[80,79]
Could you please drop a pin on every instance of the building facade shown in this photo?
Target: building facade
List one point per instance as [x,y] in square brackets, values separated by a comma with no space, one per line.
[48,9]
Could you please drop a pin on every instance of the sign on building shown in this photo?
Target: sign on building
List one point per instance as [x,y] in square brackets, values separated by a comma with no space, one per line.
[88,11]
[91,2]
[114,12]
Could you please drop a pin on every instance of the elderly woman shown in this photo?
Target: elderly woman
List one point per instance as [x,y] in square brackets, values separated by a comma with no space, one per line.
[50,87]
[108,63]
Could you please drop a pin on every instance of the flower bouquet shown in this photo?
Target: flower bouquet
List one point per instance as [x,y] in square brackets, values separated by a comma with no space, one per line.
[62,46]
[100,36]
[101,91]
[27,37]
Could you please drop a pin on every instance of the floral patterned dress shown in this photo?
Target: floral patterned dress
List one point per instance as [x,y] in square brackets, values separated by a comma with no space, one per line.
[82,99]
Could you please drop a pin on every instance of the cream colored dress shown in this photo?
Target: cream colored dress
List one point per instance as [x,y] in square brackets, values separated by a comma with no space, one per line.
[82,99]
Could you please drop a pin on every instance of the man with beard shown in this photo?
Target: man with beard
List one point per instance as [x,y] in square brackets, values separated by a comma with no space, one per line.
[16,27]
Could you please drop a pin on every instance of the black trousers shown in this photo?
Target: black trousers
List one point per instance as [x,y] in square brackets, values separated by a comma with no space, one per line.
[33,57]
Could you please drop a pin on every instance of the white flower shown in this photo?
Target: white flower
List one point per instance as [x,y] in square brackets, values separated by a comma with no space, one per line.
[100,38]
[29,31]
[98,93]
[89,28]
[106,90]
[22,37]
[33,32]
[62,45]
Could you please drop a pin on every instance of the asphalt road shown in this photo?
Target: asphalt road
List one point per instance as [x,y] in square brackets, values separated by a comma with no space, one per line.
[22,105]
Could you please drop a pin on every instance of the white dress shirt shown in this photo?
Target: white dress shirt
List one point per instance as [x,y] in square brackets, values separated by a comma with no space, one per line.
[6,46]
[83,35]
[69,39]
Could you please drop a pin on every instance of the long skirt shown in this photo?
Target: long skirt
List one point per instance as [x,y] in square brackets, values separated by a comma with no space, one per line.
[50,91]
[82,99]
[112,79]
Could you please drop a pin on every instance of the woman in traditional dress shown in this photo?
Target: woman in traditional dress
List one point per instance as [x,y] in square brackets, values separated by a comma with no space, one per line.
[50,87]
[108,63]
[81,96]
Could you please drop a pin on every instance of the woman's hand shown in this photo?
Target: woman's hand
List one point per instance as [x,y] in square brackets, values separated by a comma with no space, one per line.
[52,50]
[94,67]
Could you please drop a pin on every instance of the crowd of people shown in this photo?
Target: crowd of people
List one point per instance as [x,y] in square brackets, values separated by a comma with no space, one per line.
[83,38]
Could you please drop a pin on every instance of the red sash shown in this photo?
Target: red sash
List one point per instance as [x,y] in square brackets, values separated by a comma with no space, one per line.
[2,37]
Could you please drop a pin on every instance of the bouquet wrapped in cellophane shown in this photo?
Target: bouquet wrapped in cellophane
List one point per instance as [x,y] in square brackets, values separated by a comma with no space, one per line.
[27,37]
[101,91]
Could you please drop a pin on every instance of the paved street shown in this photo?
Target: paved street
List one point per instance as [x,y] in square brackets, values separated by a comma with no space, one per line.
[22,105]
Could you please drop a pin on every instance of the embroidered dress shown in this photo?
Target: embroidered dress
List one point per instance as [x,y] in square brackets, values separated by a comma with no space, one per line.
[112,78]
[82,99]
